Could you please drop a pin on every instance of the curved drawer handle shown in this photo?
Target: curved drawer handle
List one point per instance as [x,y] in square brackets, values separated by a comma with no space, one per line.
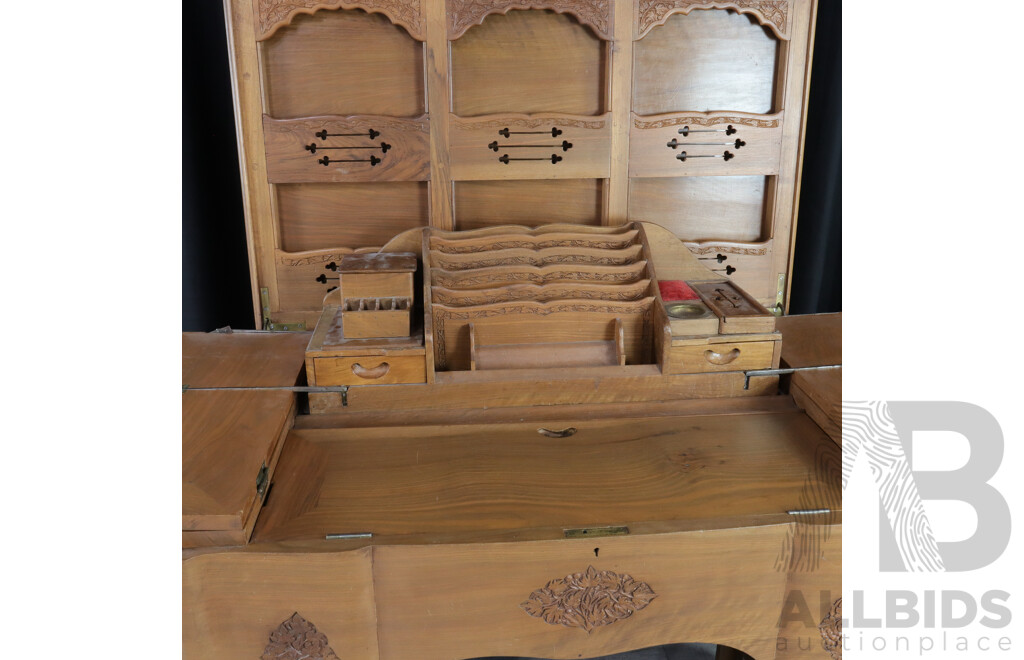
[379,371]
[564,433]
[721,358]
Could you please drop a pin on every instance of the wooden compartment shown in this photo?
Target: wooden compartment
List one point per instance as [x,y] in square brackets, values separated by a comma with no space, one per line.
[370,370]
[703,356]
[722,208]
[505,64]
[343,62]
[375,317]
[708,59]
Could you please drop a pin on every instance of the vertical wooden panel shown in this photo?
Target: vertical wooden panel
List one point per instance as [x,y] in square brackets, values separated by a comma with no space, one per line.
[528,62]
[617,209]
[537,202]
[317,216]
[438,106]
[343,63]
[703,208]
[252,161]
[706,60]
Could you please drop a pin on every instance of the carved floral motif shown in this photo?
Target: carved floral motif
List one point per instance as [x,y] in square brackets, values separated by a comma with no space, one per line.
[532,245]
[831,628]
[627,277]
[462,14]
[526,122]
[537,261]
[322,257]
[589,599]
[728,249]
[701,120]
[298,639]
[773,13]
[273,14]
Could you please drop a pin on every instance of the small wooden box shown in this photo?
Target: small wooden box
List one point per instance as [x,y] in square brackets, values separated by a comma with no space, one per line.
[377,275]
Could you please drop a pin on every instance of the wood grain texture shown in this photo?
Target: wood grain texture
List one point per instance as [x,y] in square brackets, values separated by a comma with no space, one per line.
[773,14]
[705,61]
[474,159]
[650,138]
[318,216]
[620,88]
[422,616]
[814,340]
[541,387]
[320,65]
[487,203]
[391,370]
[290,158]
[506,66]
[438,76]
[231,602]
[737,356]
[241,359]
[471,478]
[703,208]
[814,587]
[274,14]
[227,436]
[464,14]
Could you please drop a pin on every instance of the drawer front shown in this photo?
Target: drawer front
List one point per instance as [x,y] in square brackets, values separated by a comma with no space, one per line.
[370,370]
[733,356]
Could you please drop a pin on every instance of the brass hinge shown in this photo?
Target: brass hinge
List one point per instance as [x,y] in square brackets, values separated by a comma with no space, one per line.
[261,481]
[780,295]
[268,324]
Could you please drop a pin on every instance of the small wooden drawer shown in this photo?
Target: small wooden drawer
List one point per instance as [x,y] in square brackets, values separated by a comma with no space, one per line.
[732,356]
[371,370]
[375,318]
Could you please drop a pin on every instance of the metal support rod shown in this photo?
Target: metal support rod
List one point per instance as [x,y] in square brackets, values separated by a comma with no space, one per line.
[782,372]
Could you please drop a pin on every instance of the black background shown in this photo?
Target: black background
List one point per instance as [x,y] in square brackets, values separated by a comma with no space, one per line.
[215,270]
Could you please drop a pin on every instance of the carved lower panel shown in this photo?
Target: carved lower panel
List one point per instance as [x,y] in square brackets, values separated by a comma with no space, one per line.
[346,149]
[298,639]
[272,15]
[517,146]
[463,14]
[705,144]
[589,599]
[771,13]
[831,629]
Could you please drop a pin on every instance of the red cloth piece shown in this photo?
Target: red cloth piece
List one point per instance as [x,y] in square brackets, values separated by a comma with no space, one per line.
[674,290]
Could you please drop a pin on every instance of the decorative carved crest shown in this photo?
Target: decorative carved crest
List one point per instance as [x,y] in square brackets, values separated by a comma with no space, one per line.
[589,599]
[463,14]
[772,13]
[298,639]
[274,14]
[831,628]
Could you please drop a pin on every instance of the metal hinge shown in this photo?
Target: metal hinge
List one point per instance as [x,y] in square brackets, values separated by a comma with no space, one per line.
[780,295]
[268,324]
[261,481]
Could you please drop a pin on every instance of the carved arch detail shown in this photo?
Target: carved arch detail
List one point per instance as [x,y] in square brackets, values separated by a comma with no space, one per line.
[464,14]
[271,15]
[773,14]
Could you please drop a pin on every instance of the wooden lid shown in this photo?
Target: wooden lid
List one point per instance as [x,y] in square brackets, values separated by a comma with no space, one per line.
[230,442]
[378,262]
[242,359]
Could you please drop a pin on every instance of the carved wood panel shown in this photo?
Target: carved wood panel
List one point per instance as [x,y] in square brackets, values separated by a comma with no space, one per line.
[589,599]
[271,15]
[463,14]
[347,149]
[298,639]
[773,14]
[708,144]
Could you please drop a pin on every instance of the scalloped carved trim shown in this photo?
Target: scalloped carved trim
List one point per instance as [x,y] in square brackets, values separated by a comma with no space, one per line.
[298,638]
[463,14]
[728,248]
[705,120]
[772,13]
[831,629]
[272,15]
[312,257]
[589,599]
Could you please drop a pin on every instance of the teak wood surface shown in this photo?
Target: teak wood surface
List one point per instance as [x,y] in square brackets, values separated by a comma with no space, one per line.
[816,340]
[441,81]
